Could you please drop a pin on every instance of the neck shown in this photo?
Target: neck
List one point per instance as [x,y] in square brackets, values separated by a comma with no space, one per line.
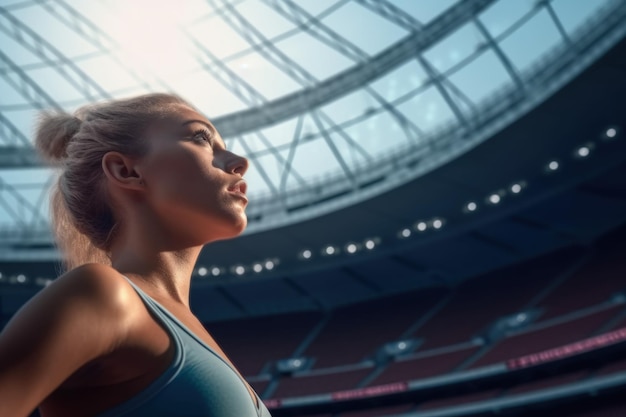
[156,261]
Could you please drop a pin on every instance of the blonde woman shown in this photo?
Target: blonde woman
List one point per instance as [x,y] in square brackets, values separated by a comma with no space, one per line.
[144,184]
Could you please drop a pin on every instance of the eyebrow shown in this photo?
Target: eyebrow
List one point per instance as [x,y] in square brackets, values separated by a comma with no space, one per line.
[208,125]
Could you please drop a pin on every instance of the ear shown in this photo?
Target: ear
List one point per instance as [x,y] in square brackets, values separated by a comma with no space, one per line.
[121,170]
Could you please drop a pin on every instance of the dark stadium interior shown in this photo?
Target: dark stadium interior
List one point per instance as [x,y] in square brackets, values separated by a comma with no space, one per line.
[516,309]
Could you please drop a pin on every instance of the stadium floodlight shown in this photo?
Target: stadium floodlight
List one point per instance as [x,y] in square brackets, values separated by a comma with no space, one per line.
[494,198]
[421,226]
[397,347]
[583,151]
[553,165]
[351,248]
[291,365]
[611,132]
[370,244]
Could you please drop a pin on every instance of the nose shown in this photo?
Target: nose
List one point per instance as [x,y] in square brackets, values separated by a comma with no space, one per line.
[237,165]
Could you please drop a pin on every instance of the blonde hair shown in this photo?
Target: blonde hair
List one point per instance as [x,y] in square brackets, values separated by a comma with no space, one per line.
[82,218]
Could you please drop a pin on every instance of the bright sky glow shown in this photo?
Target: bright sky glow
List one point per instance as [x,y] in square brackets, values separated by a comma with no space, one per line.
[229,56]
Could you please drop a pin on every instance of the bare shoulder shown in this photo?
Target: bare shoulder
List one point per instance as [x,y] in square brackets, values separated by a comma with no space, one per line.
[96,282]
[84,314]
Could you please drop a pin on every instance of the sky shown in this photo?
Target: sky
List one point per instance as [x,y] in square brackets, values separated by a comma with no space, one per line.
[227,57]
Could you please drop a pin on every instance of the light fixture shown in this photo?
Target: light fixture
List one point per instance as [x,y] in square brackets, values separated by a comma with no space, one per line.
[516,188]
[240,270]
[269,265]
[553,165]
[421,226]
[471,206]
[21,278]
[494,198]
[257,267]
[611,132]
[215,271]
[370,244]
[405,232]
[437,223]
[202,271]
[329,250]
[351,248]
[583,151]
[306,254]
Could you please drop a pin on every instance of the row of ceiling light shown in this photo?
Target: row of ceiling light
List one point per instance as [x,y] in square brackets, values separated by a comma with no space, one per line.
[419,227]
[369,244]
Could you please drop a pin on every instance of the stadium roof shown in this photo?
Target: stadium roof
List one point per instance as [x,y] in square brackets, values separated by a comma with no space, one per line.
[319,95]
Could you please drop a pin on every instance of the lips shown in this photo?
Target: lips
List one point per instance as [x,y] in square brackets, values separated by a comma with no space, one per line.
[240,187]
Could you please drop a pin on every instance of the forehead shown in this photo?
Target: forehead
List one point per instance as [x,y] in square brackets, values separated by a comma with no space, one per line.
[179,117]
[182,114]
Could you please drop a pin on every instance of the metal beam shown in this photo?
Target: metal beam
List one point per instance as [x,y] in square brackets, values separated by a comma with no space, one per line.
[268,113]
[312,25]
[355,77]
[25,85]
[265,47]
[30,40]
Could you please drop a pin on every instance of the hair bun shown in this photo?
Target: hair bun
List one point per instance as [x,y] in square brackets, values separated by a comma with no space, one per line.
[54,132]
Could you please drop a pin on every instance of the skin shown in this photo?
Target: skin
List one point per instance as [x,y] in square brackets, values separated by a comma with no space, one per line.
[86,342]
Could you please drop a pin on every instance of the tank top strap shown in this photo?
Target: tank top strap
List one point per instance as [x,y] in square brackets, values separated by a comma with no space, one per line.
[168,375]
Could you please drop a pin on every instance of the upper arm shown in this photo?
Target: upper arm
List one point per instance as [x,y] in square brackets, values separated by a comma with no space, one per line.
[76,319]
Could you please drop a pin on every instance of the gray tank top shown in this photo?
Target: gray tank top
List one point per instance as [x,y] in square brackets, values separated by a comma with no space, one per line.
[198,382]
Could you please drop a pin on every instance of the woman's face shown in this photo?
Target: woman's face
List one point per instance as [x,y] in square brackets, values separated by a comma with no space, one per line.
[192,181]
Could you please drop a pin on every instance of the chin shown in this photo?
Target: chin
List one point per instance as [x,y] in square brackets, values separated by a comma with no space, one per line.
[233,230]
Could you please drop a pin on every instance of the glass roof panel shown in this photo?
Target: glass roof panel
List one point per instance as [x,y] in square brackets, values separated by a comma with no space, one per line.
[501,15]
[19,55]
[58,87]
[355,23]
[280,133]
[319,7]
[10,96]
[217,36]
[208,94]
[327,85]
[399,82]
[255,70]
[261,16]
[456,47]
[64,39]
[424,11]
[318,58]
[572,16]
[468,79]
[105,71]
[427,110]
[21,117]
[350,106]
[539,31]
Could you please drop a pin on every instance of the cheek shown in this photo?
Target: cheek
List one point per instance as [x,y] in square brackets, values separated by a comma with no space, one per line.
[184,177]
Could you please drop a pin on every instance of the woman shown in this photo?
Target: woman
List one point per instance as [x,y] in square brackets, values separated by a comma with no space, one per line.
[145,183]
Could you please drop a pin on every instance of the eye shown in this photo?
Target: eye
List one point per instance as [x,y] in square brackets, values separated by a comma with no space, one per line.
[204,135]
